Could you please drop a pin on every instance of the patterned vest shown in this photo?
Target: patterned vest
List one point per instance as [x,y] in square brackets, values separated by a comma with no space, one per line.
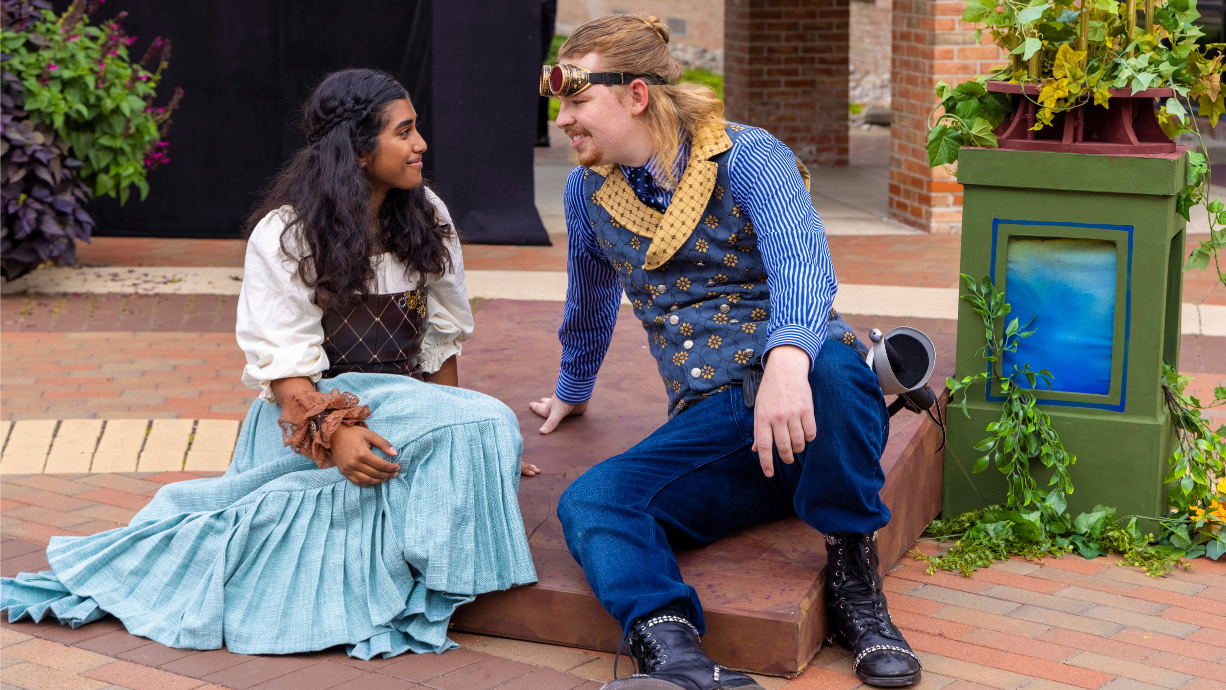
[693,274]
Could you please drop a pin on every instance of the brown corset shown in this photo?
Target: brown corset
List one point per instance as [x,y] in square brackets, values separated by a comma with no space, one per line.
[379,336]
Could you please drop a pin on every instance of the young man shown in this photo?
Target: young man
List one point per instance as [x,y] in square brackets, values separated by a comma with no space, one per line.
[710,230]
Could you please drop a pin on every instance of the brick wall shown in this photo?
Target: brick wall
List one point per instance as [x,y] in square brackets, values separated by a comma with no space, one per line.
[870,36]
[704,19]
[785,70]
[931,43]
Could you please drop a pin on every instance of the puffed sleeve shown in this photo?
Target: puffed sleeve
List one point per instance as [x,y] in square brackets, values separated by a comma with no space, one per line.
[449,315]
[279,328]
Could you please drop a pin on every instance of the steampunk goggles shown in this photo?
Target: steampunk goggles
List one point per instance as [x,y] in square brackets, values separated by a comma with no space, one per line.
[572,80]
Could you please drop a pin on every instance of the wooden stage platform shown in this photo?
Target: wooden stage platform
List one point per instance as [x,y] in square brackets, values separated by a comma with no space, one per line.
[762,588]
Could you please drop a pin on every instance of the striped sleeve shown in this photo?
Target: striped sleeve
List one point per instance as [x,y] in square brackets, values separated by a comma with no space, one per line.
[593,296]
[766,183]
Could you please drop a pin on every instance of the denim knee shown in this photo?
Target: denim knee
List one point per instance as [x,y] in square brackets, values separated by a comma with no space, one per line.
[584,501]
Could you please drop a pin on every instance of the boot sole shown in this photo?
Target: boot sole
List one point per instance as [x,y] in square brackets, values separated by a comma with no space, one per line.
[657,684]
[892,681]
[640,684]
[888,682]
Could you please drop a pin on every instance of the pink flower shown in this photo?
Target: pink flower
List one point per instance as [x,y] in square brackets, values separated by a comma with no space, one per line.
[73,37]
[52,66]
[113,53]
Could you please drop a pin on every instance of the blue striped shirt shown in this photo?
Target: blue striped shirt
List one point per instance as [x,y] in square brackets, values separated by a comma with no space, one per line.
[766,184]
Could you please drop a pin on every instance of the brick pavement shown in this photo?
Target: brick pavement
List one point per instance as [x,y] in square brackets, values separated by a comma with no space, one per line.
[1055,624]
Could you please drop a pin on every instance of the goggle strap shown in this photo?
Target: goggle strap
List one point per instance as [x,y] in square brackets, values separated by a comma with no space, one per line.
[622,78]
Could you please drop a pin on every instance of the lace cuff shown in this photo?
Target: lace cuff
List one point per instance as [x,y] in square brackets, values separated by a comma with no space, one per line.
[308,420]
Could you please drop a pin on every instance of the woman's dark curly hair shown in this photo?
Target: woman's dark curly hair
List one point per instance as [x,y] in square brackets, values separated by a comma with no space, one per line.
[330,195]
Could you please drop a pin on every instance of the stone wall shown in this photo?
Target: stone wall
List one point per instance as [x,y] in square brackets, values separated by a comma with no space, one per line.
[704,19]
[869,37]
[786,70]
[931,43]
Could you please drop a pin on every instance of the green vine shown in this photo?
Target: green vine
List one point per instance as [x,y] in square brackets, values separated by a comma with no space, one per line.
[1024,431]
[1033,522]
[1197,492]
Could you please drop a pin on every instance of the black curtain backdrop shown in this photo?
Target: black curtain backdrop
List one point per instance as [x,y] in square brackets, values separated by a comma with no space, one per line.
[246,68]
[486,87]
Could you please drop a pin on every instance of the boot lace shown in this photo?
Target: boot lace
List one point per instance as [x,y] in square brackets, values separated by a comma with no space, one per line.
[858,597]
[645,649]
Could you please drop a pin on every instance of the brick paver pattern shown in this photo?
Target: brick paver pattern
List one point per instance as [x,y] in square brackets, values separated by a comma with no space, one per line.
[1066,623]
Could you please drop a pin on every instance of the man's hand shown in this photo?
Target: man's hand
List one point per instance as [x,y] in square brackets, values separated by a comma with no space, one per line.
[554,410]
[783,412]
[351,451]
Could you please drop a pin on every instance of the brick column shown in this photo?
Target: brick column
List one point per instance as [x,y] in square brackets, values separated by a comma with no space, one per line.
[785,70]
[931,43]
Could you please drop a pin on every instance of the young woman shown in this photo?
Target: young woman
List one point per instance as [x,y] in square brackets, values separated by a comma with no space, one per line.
[363,504]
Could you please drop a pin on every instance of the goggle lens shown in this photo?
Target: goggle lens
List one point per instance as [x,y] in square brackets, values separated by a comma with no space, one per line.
[556,78]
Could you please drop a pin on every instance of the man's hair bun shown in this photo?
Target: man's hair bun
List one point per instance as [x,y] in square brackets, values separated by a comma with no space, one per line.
[658,26]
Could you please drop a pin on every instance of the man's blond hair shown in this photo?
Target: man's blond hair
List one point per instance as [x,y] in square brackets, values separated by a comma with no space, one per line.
[639,45]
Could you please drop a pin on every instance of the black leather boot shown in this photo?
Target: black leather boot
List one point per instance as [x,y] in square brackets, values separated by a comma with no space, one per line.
[857,608]
[668,655]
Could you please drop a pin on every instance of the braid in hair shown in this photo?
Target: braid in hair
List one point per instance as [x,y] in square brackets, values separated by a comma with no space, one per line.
[349,111]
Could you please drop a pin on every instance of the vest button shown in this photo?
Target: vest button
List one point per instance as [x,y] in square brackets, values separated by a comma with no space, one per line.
[673,308]
[689,345]
[710,283]
[695,372]
[674,319]
[662,287]
[749,352]
[724,309]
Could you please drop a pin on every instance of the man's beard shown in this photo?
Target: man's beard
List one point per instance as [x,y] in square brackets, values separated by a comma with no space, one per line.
[594,154]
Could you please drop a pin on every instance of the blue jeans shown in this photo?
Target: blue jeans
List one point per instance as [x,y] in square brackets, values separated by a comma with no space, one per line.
[695,480]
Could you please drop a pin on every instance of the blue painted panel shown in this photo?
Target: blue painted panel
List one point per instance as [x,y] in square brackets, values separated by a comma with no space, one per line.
[1068,287]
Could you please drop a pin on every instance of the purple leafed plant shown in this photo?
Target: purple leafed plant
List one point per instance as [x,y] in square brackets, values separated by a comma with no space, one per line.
[79,122]
[41,195]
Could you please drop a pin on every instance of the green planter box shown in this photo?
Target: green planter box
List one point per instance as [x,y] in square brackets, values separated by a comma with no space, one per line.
[1092,248]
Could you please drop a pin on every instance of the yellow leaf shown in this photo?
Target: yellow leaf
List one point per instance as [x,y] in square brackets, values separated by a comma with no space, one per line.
[1068,63]
[1101,96]
[1213,85]
[1042,119]
[1053,89]
[1164,118]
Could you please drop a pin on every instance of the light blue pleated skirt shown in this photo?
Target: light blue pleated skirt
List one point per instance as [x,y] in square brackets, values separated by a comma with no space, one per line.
[278,556]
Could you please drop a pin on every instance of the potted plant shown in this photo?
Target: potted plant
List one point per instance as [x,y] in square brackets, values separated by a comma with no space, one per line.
[1073,187]
[78,121]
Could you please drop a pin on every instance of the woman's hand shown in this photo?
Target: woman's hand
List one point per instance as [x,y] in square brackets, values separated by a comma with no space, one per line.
[554,410]
[528,470]
[351,449]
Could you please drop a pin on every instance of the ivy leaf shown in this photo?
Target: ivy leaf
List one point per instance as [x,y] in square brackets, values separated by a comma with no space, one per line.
[967,110]
[1068,16]
[981,133]
[995,108]
[1142,80]
[1030,47]
[1215,549]
[1175,108]
[943,144]
[1090,523]
[1199,260]
[969,89]
[1030,14]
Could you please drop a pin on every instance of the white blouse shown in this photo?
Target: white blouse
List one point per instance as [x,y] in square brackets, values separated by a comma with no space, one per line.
[280,329]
